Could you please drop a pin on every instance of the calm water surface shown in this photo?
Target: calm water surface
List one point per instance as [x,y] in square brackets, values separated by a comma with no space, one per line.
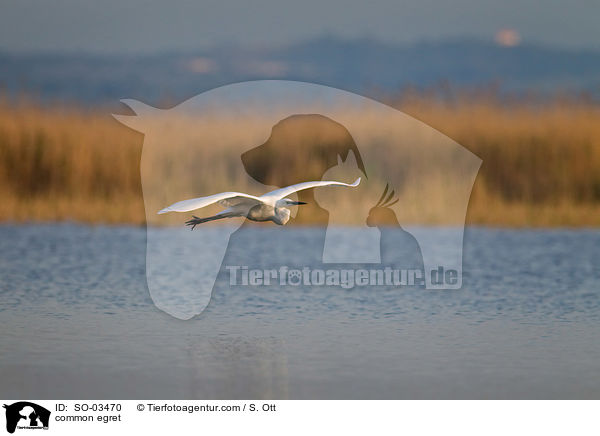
[78,322]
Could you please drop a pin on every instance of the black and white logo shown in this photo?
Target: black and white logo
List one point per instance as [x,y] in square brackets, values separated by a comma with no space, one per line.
[26,415]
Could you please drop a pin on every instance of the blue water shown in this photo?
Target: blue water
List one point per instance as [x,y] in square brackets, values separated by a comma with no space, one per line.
[78,322]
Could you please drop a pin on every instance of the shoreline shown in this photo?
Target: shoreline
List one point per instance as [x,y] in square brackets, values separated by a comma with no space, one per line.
[260,227]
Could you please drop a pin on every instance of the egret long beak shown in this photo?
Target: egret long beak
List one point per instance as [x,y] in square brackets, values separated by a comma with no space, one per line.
[295,203]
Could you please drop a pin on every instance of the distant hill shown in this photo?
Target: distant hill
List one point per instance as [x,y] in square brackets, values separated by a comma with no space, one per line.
[366,66]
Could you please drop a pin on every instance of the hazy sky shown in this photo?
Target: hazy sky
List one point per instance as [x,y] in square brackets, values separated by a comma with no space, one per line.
[150,25]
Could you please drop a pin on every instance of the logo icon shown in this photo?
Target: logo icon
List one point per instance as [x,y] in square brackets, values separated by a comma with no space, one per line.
[26,415]
[225,148]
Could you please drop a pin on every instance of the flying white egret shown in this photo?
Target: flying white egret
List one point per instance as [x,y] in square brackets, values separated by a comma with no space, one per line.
[272,206]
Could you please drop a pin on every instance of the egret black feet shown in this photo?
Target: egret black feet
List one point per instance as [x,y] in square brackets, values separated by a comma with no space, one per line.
[195,221]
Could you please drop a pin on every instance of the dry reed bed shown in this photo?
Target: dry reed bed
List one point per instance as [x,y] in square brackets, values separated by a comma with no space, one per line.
[541,163]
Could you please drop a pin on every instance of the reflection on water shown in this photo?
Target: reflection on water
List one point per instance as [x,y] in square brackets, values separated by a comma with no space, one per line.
[242,367]
[78,322]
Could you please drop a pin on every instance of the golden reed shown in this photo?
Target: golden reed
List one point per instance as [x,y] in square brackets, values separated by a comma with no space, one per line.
[541,163]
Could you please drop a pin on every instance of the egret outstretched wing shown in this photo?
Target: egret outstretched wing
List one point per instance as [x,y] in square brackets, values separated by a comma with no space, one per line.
[227,199]
[284,192]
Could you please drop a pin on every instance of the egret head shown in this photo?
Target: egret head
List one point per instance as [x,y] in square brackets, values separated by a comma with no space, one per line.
[289,202]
